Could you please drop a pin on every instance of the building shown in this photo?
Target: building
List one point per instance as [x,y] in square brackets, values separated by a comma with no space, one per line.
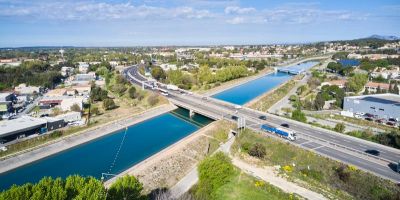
[6,100]
[341,83]
[63,102]
[373,87]
[57,92]
[167,67]
[83,67]
[70,117]
[66,71]
[383,106]
[23,89]
[25,126]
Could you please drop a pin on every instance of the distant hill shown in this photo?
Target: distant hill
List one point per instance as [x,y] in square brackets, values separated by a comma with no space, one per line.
[383,37]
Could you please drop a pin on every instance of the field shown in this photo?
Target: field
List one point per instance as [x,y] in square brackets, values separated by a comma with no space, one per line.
[318,173]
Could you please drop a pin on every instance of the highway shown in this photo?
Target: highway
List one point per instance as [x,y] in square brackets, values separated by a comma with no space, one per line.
[324,142]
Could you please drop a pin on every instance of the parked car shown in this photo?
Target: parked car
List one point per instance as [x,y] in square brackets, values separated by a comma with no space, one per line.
[358,116]
[234,117]
[390,123]
[380,121]
[369,119]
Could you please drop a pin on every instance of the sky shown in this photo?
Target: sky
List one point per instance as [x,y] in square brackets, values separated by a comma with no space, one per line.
[192,22]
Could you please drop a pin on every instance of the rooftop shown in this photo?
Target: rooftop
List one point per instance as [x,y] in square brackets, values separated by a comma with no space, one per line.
[386,98]
[8,127]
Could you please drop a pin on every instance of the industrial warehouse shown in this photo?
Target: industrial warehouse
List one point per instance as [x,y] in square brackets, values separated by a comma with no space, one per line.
[379,106]
[25,126]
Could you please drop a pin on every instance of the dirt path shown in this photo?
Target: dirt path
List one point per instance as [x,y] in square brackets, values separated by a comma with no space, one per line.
[269,175]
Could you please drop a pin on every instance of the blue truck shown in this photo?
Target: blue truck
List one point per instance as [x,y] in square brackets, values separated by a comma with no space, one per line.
[285,133]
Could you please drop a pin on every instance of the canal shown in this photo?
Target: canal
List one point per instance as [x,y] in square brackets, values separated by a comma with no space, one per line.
[246,92]
[95,157]
[141,140]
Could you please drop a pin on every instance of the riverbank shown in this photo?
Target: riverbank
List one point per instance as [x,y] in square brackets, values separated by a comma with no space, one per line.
[165,168]
[240,81]
[236,82]
[76,139]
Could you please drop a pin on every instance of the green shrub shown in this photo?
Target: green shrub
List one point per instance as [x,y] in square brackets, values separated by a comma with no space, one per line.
[257,150]
[214,172]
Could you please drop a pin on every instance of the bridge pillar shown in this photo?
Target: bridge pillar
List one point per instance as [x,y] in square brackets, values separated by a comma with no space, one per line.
[191,113]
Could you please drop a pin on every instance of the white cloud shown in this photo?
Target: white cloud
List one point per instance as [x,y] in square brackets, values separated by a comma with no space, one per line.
[236,20]
[238,10]
[100,11]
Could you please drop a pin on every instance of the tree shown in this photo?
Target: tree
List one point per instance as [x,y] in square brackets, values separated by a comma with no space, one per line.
[204,74]
[356,82]
[56,111]
[73,187]
[299,116]
[108,104]
[94,110]
[127,187]
[132,92]
[175,76]
[152,99]
[257,150]
[319,101]
[158,73]
[396,89]
[119,89]
[214,172]
[75,107]
[340,127]
[98,94]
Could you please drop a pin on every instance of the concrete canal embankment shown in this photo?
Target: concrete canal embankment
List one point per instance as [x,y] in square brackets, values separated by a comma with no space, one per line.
[75,140]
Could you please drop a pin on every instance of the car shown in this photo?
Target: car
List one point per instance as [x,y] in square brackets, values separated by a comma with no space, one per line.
[234,117]
[380,121]
[204,98]
[3,148]
[373,152]
[358,116]
[390,123]
[238,107]
[392,120]
[369,115]
[369,119]
[263,117]
[285,125]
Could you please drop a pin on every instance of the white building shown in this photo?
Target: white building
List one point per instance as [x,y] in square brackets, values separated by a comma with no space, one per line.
[167,67]
[83,67]
[70,116]
[23,89]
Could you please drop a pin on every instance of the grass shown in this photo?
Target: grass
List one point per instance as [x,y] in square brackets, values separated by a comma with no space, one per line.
[275,95]
[319,173]
[245,187]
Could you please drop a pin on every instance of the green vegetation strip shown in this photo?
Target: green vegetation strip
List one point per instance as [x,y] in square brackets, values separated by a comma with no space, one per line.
[76,187]
[321,174]
[268,100]
[219,180]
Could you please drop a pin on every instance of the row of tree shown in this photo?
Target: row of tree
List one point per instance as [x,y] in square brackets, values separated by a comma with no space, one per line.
[76,187]
[35,73]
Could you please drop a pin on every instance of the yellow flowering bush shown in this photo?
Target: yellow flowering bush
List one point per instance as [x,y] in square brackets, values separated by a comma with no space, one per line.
[287,168]
[352,168]
[259,183]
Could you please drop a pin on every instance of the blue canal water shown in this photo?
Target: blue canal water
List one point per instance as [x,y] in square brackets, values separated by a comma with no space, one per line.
[142,140]
[246,92]
[95,157]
